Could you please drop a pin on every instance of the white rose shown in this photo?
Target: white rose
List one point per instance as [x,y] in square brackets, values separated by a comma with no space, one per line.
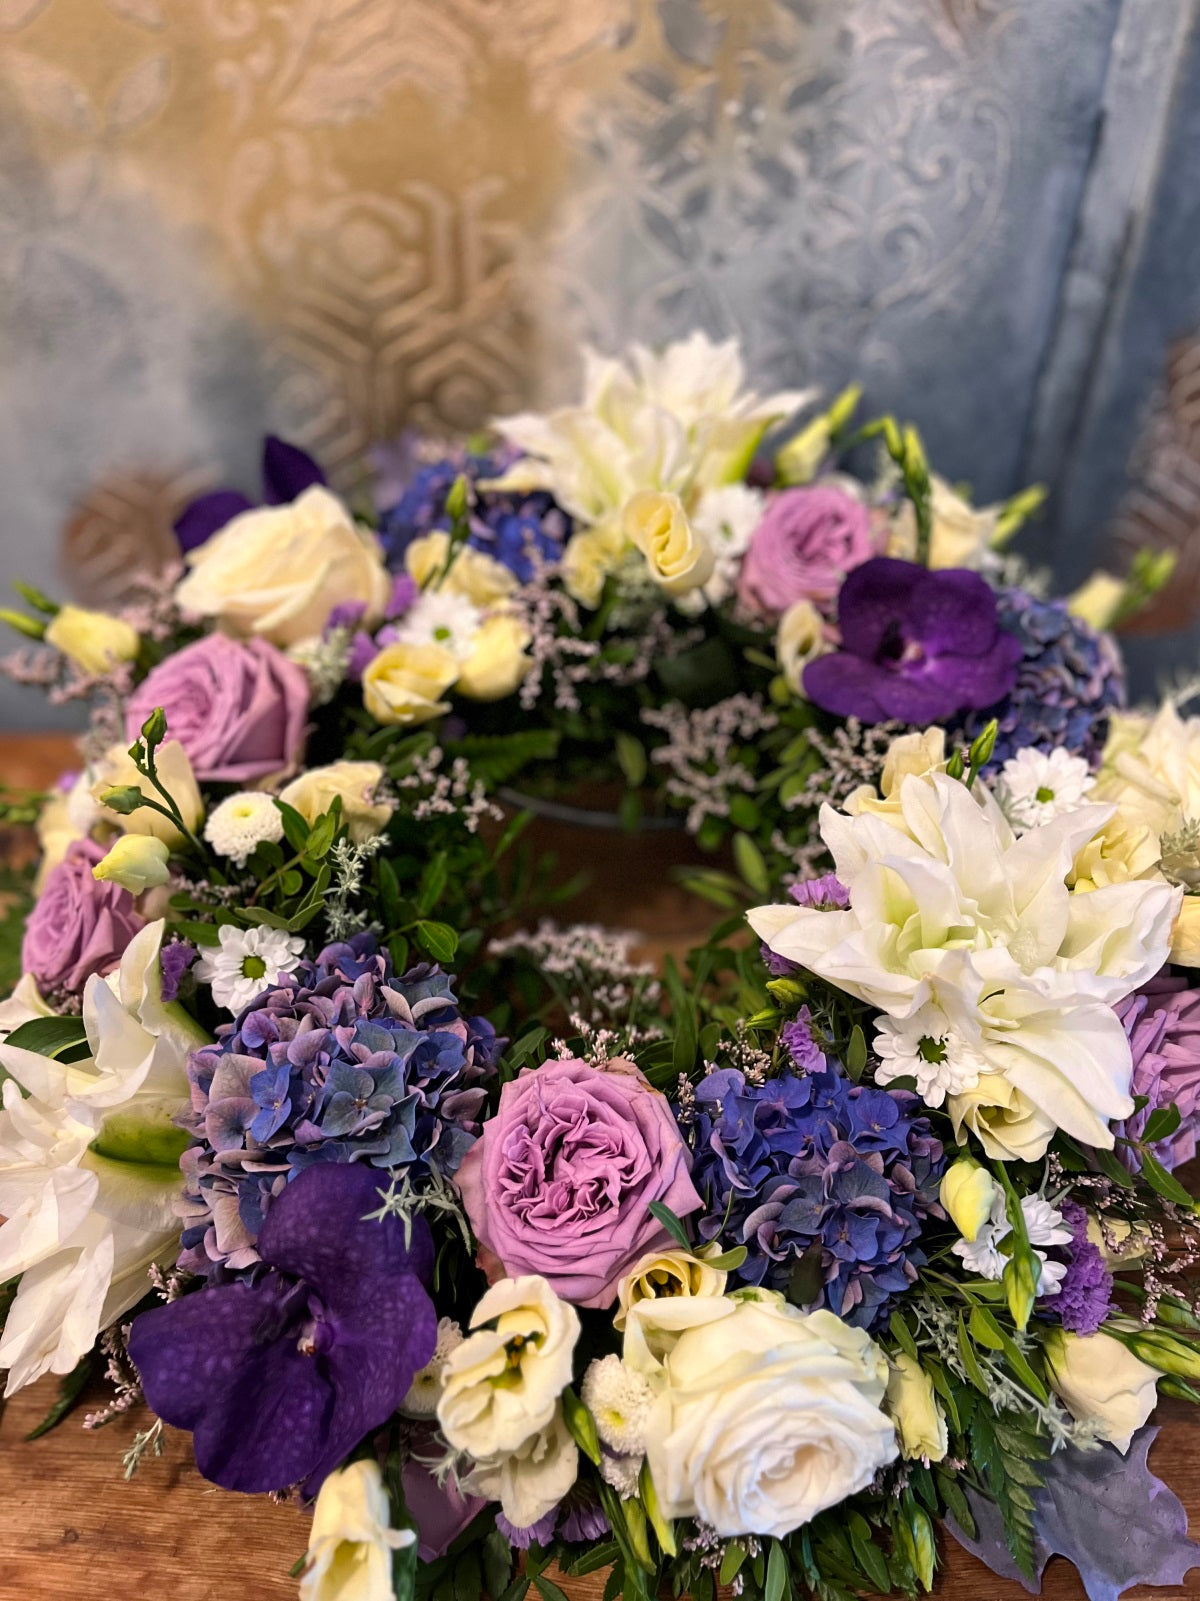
[278,571]
[529,1345]
[351,1544]
[355,782]
[404,684]
[1101,1382]
[765,1417]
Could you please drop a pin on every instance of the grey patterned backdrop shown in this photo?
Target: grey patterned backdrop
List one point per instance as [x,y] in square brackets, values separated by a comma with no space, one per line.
[335,217]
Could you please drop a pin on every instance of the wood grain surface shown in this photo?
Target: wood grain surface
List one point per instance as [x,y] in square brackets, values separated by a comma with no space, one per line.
[71,1528]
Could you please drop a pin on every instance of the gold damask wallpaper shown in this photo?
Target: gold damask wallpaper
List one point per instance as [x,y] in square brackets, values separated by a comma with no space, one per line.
[338,218]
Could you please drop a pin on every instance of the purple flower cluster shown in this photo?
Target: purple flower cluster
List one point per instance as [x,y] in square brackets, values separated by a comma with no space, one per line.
[1085,1295]
[1162,1021]
[507,526]
[342,1062]
[826,894]
[1068,678]
[815,1161]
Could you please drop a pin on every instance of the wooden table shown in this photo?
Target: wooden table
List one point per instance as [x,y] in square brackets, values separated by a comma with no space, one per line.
[71,1529]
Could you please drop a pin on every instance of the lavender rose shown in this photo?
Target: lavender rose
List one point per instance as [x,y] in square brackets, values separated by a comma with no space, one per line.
[80,925]
[237,709]
[807,542]
[561,1182]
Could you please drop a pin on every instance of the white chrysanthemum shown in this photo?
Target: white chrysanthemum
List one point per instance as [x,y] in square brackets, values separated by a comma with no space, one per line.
[929,1048]
[441,617]
[241,822]
[246,962]
[1037,786]
[426,1389]
[1044,1226]
[622,1472]
[619,1399]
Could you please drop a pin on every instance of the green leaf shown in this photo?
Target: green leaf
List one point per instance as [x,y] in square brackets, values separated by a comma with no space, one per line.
[902,1335]
[987,1331]
[581,1425]
[593,1559]
[497,758]
[1161,1124]
[734,1556]
[672,1224]
[546,1588]
[1164,1183]
[295,829]
[260,915]
[468,1578]
[1112,1168]
[728,1261]
[497,1562]
[664,1529]
[614,1585]
[750,864]
[744,813]
[870,1558]
[198,933]
[291,882]
[779,1582]
[807,1276]
[969,1360]
[70,1390]
[433,883]
[49,1036]
[389,892]
[631,755]
[140,1140]
[438,939]
[856,1054]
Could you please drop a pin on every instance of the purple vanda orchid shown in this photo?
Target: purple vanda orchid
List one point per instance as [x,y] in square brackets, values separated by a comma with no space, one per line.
[287,471]
[280,1377]
[917,646]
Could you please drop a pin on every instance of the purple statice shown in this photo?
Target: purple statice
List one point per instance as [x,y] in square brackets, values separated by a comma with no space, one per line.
[279,1377]
[801,1043]
[916,645]
[1162,1022]
[1084,1298]
[816,1160]
[1069,677]
[342,1061]
[826,894]
[176,958]
[509,525]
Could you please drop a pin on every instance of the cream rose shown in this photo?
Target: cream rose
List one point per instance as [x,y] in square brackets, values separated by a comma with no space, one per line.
[678,557]
[474,574]
[1101,1382]
[405,683]
[524,1336]
[1008,1126]
[355,783]
[116,770]
[913,1407]
[351,1542]
[765,1417]
[278,571]
[93,640]
[497,661]
[908,756]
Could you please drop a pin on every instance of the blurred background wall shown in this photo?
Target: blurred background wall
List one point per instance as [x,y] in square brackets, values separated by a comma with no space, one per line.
[335,218]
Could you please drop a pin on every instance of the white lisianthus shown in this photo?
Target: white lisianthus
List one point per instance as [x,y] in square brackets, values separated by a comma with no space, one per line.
[678,558]
[765,1417]
[1101,1382]
[278,571]
[137,862]
[245,962]
[530,1481]
[351,1542]
[968,1193]
[89,1166]
[1036,786]
[95,641]
[521,1333]
[663,1275]
[800,638]
[915,1410]
[960,928]
[1044,1226]
[241,823]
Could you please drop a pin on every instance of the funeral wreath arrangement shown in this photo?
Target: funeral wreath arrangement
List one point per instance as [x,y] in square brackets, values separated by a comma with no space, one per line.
[511,1257]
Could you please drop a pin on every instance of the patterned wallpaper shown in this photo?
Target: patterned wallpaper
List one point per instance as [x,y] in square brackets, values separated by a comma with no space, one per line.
[339,217]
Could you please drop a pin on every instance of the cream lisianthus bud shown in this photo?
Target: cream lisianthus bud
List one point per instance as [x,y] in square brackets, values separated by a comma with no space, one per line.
[1102,1383]
[968,1193]
[116,770]
[404,684]
[1098,600]
[497,661]
[679,558]
[93,640]
[351,1543]
[137,862]
[914,1409]
[355,783]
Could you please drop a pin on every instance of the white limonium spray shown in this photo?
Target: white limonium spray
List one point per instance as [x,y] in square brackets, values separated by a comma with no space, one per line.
[1043,1224]
[241,822]
[246,962]
[1037,786]
[990,973]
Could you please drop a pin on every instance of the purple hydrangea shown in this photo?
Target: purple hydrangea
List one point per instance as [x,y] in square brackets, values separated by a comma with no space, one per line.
[804,1161]
[917,646]
[1085,1294]
[506,525]
[1068,678]
[342,1061]
[281,1376]
[1162,1021]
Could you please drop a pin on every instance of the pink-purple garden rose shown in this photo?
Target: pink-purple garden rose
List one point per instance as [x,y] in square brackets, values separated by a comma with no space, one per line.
[80,925]
[807,542]
[562,1179]
[237,709]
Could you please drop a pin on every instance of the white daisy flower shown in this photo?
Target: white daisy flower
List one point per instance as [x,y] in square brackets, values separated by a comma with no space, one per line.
[929,1048]
[246,962]
[1044,1226]
[1035,786]
[441,617]
[241,822]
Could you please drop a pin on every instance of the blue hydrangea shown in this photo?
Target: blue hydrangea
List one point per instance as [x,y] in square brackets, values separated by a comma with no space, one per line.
[812,1162]
[1070,677]
[343,1061]
[506,526]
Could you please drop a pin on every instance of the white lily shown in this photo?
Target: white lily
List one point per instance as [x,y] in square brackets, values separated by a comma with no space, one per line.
[89,1166]
[950,912]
